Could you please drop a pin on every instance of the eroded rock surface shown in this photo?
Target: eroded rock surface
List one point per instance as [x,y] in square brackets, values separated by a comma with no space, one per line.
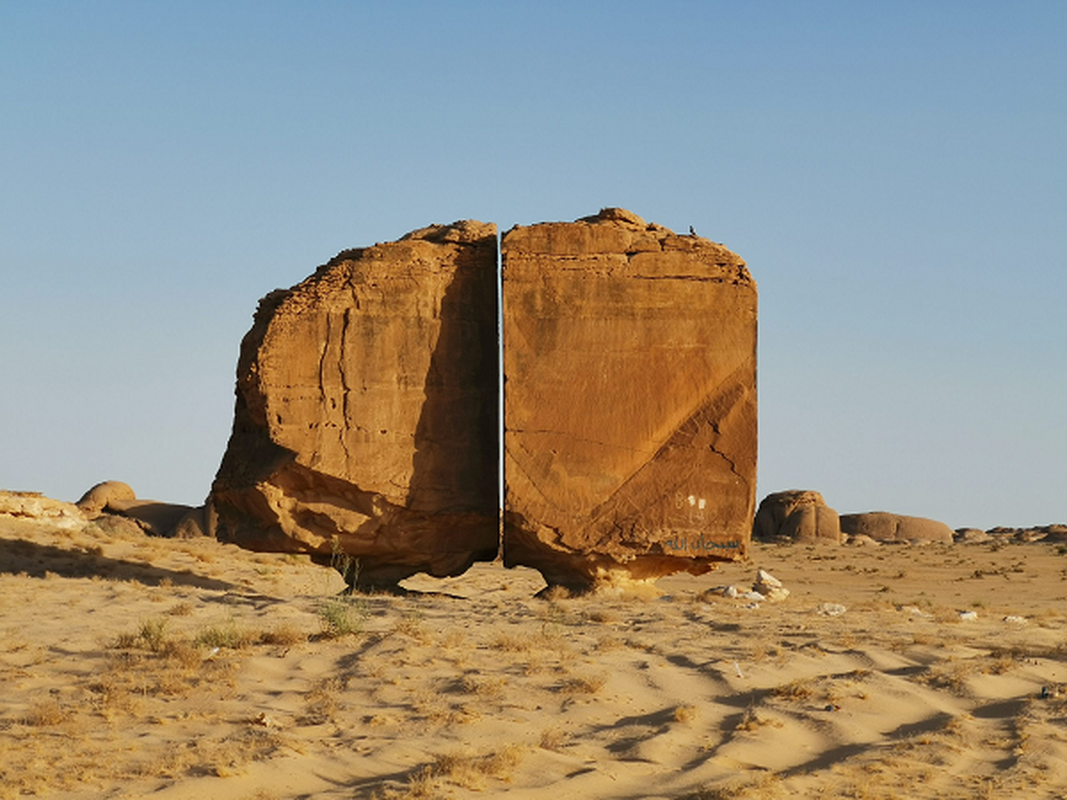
[630,400]
[34,506]
[882,526]
[799,515]
[366,413]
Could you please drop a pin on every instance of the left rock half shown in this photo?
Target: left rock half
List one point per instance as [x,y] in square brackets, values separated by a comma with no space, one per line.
[366,424]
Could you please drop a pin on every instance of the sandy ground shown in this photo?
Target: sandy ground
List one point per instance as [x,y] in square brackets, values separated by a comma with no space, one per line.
[139,667]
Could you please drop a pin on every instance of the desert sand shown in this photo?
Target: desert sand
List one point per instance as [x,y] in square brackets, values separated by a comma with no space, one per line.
[144,667]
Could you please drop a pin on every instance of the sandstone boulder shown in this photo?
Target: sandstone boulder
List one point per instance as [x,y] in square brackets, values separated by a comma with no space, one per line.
[366,413]
[799,515]
[630,407]
[101,497]
[885,527]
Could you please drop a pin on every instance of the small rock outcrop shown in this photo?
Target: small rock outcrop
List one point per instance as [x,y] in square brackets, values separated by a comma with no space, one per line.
[630,401]
[35,507]
[769,586]
[798,515]
[366,414]
[884,527]
[971,536]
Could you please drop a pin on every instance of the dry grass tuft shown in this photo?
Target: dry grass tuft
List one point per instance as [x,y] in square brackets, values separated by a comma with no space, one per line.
[795,691]
[183,609]
[754,719]
[284,634]
[339,618]
[46,712]
[555,593]
[584,684]
[323,700]
[552,738]
[470,771]
[483,687]
[685,714]
[227,635]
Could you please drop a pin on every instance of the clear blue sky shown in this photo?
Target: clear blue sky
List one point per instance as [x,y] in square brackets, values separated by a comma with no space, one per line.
[894,173]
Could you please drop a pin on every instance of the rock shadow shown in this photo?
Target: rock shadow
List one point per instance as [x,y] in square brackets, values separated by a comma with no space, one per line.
[456,462]
[18,556]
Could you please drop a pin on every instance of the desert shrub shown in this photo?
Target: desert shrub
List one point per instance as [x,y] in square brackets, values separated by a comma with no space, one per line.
[340,617]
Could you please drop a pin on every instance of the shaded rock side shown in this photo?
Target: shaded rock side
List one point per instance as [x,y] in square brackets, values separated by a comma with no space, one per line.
[366,413]
[797,514]
[630,400]
[885,527]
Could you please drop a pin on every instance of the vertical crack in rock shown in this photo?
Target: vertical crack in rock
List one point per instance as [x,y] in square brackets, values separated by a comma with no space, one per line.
[630,411]
[342,369]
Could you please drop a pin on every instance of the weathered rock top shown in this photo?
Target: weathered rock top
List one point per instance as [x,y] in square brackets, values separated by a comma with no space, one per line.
[622,242]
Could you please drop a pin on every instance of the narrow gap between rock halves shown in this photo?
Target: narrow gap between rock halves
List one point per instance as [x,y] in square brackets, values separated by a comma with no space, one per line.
[500,392]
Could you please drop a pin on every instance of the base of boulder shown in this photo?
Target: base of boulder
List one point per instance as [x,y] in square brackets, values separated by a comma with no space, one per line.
[585,572]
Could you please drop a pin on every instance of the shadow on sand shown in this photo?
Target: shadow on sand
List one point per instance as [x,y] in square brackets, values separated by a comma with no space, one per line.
[18,556]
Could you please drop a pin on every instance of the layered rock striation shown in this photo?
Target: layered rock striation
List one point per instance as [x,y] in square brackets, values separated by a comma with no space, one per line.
[366,421]
[630,400]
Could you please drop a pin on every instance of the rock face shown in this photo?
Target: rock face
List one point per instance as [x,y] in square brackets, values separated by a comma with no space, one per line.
[884,527]
[630,400]
[800,515]
[366,414]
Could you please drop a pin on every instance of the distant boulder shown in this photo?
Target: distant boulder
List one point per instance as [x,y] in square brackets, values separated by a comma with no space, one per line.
[800,515]
[1042,533]
[153,517]
[884,527]
[971,536]
[98,499]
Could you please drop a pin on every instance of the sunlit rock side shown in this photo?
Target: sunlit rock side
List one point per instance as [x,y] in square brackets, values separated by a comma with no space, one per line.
[366,421]
[630,401]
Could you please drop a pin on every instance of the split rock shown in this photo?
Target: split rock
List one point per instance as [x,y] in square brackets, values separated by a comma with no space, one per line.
[630,408]
[366,413]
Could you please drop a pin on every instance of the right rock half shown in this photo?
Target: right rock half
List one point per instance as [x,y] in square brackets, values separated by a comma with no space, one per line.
[630,401]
